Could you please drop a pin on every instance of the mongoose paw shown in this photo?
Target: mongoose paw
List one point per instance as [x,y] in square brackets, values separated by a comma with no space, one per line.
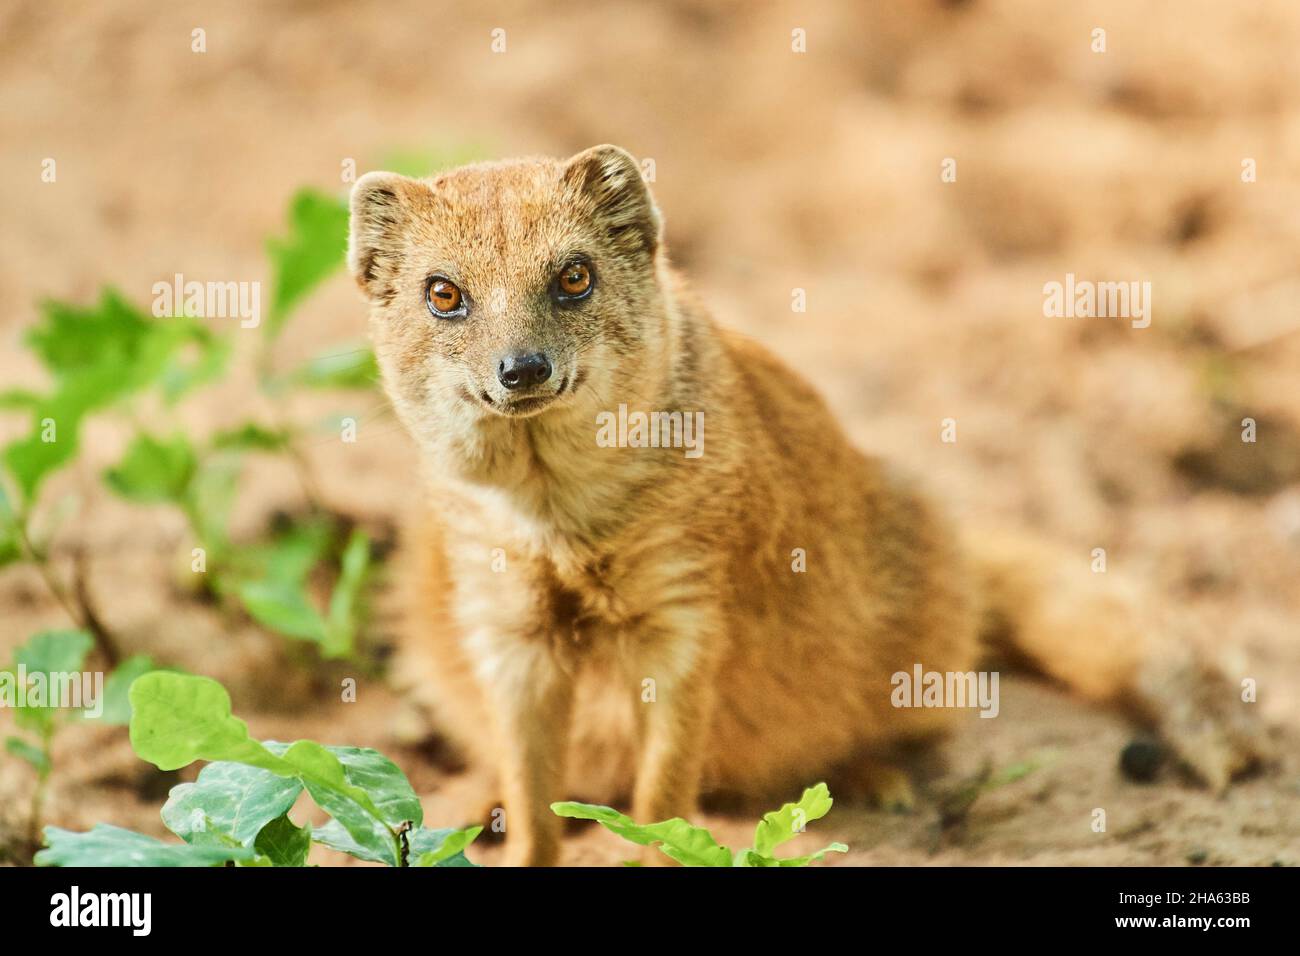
[890,789]
[877,780]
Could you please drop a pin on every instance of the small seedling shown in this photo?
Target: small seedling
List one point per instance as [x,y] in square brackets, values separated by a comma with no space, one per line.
[690,845]
[237,811]
[46,667]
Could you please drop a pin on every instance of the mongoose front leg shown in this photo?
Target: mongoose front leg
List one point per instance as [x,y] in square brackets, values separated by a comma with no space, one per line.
[531,697]
[678,652]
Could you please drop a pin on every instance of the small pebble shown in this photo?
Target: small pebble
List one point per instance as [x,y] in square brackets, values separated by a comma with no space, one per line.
[1141,759]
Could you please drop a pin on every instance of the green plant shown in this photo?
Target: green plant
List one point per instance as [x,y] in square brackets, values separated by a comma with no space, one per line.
[956,803]
[271,579]
[103,356]
[237,811]
[33,684]
[113,356]
[690,845]
[96,358]
[306,578]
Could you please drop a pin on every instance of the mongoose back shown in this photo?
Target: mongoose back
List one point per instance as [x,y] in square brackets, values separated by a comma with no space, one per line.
[718,599]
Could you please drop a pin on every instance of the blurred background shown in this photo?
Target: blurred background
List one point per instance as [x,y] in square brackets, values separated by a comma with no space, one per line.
[776,170]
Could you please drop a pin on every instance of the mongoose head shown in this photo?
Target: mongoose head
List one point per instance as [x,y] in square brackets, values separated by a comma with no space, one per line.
[510,291]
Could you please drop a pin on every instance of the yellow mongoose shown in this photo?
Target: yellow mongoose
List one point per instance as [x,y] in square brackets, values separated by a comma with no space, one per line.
[611,606]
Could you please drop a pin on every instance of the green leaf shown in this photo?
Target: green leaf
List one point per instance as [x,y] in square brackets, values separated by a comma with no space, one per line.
[805,860]
[210,499]
[34,755]
[313,250]
[374,773]
[18,399]
[180,718]
[113,846]
[230,799]
[439,847]
[387,786]
[284,843]
[200,357]
[695,846]
[290,557]
[687,844]
[335,836]
[342,622]
[10,541]
[251,437]
[787,823]
[58,656]
[276,593]
[426,846]
[117,703]
[284,608]
[177,719]
[1013,773]
[55,433]
[355,368]
[97,356]
[154,470]
[72,340]
[55,652]
[366,836]
[326,780]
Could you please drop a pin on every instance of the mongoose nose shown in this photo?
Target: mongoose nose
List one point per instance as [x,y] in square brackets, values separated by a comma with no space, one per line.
[521,371]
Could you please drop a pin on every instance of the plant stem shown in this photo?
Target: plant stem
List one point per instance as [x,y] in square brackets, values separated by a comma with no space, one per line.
[52,582]
[306,478]
[81,588]
[42,782]
[80,610]
[403,844]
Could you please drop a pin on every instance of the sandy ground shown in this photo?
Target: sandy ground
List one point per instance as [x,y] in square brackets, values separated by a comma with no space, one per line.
[776,171]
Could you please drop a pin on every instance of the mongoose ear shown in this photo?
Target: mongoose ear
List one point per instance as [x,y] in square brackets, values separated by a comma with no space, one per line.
[609,179]
[380,207]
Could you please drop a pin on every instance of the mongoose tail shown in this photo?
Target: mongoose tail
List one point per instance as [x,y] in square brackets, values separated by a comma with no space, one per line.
[1050,611]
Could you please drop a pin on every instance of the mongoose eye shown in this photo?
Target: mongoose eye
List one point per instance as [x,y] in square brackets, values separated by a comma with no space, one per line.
[574,281]
[444,298]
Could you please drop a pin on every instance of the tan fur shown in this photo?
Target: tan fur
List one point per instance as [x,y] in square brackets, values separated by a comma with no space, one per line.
[627,565]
